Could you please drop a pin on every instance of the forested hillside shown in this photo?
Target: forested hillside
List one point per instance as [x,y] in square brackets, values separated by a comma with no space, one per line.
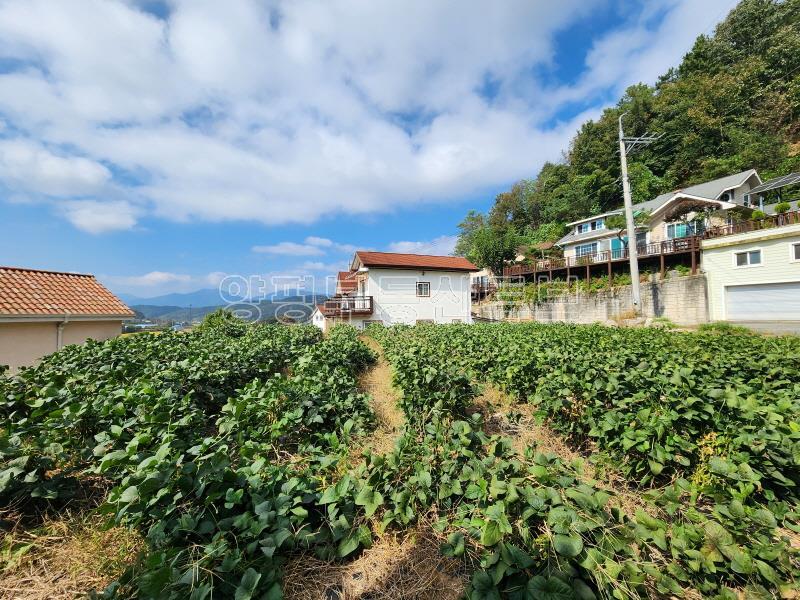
[732,104]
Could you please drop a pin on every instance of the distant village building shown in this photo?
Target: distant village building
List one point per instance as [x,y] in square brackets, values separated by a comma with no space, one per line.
[389,288]
[43,311]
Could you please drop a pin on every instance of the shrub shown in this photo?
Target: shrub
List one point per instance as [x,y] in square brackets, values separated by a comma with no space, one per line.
[682,270]
[722,327]
[758,215]
[664,323]
[224,322]
[782,207]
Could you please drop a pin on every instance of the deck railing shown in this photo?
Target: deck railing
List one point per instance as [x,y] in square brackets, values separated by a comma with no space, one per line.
[674,246]
[350,305]
[787,218]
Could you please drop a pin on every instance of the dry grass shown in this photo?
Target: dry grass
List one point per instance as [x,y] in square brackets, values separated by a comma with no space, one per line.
[377,382]
[64,557]
[407,567]
[497,408]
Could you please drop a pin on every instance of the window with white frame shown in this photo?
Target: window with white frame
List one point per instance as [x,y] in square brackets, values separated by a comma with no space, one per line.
[795,248]
[423,289]
[749,258]
[598,224]
[586,249]
[582,228]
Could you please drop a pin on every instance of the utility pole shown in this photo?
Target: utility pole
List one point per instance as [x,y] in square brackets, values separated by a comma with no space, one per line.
[627,145]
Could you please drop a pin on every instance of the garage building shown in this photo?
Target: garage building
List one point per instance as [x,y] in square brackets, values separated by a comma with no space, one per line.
[754,276]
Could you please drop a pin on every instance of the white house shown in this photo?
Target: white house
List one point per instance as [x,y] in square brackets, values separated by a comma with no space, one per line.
[389,288]
[754,275]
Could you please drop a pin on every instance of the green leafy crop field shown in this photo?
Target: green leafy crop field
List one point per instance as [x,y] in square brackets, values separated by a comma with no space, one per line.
[234,449]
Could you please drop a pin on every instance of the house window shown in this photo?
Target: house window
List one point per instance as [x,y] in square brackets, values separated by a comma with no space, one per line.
[599,224]
[795,252]
[423,289]
[747,259]
[682,230]
[586,249]
[582,228]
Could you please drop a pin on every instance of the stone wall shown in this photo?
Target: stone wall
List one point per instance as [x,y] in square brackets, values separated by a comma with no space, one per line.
[683,300]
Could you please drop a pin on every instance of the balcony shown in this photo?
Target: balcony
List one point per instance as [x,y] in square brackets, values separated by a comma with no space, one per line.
[348,306]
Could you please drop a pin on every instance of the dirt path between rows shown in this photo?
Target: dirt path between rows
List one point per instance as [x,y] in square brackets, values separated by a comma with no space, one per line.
[377,382]
[398,566]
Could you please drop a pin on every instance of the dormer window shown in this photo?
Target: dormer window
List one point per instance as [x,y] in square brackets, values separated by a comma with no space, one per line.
[590,226]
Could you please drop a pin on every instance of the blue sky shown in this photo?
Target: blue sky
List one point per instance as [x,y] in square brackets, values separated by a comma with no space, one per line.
[163,145]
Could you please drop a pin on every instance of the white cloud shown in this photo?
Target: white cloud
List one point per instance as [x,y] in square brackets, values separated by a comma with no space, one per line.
[213,279]
[28,166]
[330,244]
[442,246]
[319,266]
[99,217]
[156,283]
[153,278]
[319,241]
[289,249]
[344,107]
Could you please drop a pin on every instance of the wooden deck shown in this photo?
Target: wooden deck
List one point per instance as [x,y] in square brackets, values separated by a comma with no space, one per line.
[687,246]
[580,265]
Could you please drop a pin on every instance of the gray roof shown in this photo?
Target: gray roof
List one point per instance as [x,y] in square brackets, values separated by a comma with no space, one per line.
[709,189]
[713,189]
[777,183]
[572,237]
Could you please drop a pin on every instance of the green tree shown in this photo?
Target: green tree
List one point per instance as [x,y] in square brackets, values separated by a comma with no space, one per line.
[491,248]
[472,223]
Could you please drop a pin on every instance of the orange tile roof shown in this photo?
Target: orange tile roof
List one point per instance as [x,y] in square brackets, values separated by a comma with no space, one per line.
[346,282]
[415,261]
[31,292]
[327,312]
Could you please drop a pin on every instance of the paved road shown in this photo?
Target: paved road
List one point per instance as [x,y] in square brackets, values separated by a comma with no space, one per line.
[776,327]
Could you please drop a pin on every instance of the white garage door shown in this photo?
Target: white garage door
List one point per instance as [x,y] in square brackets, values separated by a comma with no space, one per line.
[763,302]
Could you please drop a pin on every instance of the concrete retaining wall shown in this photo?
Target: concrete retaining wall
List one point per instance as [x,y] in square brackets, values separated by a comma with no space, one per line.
[683,300]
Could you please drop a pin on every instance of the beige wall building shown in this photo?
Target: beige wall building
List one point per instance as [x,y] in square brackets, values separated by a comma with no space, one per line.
[43,311]
[754,276]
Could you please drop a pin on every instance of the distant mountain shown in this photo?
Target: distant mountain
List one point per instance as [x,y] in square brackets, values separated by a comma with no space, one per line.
[150,311]
[201,298]
[297,307]
[206,297]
